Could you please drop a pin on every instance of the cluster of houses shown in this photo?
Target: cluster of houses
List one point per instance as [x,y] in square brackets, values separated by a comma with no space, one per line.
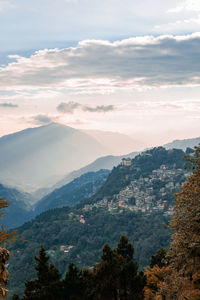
[141,195]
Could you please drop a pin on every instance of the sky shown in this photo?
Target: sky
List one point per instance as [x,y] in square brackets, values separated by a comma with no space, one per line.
[129,66]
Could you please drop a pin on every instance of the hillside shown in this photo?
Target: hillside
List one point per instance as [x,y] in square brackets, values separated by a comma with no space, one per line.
[19,210]
[183,144]
[38,157]
[157,160]
[72,193]
[135,200]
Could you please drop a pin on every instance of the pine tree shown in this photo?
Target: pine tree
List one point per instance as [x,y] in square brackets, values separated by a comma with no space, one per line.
[116,276]
[131,283]
[48,285]
[73,283]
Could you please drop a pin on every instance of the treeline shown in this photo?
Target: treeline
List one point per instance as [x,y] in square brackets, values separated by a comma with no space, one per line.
[55,228]
[116,276]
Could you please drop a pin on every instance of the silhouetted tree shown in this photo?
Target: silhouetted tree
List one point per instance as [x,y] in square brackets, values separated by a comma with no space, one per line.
[73,283]
[48,285]
[117,274]
[159,259]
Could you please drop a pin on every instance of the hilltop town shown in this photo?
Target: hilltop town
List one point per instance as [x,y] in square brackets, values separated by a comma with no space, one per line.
[153,192]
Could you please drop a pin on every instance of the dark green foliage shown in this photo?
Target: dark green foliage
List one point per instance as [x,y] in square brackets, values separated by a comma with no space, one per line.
[189,151]
[72,284]
[55,228]
[159,258]
[15,297]
[114,277]
[47,286]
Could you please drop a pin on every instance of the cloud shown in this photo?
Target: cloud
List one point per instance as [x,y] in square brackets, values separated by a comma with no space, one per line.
[99,108]
[92,65]
[188,5]
[71,106]
[5,4]
[42,119]
[8,105]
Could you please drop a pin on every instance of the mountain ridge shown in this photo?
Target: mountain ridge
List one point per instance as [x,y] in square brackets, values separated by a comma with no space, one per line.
[38,157]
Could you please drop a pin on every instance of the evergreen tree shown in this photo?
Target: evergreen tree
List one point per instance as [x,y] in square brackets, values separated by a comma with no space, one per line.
[48,285]
[184,254]
[159,259]
[73,283]
[116,276]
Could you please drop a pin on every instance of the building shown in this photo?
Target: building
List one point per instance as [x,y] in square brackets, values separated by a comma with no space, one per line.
[126,162]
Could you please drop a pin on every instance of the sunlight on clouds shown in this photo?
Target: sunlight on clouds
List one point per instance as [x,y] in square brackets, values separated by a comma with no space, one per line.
[97,65]
[187,15]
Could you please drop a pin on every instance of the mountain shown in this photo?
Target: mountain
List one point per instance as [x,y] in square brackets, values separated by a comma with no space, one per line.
[38,157]
[116,143]
[135,200]
[105,162]
[183,144]
[72,193]
[19,209]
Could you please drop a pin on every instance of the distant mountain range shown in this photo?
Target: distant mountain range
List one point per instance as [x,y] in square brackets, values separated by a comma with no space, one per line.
[38,157]
[183,144]
[72,193]
[39,160]
[21,208]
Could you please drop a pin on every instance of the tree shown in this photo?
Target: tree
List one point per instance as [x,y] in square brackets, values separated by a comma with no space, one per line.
[183,281]
[5,237]
[159,259]
[73,283]
[48,285]
[155,280]
[156,274]
[116,275]
[131,283]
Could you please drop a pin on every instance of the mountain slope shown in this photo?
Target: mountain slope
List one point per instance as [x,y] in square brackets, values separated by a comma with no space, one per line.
[38,157]
[19,209]
[183,144]
[72,193]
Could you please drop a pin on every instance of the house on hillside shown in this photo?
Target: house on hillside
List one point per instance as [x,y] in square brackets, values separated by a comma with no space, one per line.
[126,162]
